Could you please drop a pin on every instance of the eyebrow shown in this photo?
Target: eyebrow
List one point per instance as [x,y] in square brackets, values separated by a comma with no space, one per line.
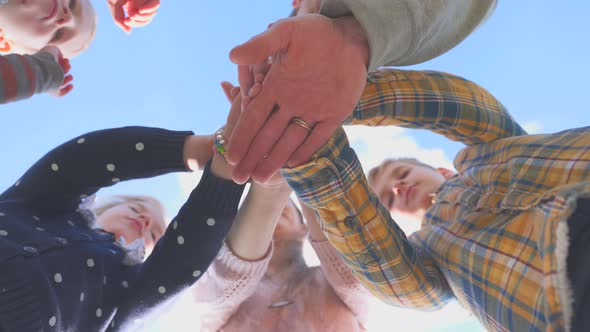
[141,206]
[397,170]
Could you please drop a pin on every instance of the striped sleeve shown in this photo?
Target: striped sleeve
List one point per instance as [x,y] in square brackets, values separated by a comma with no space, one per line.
[443,103]
[362,230]
[22,76]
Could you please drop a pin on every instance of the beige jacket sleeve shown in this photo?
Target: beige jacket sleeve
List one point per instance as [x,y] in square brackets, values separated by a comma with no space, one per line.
[407,32]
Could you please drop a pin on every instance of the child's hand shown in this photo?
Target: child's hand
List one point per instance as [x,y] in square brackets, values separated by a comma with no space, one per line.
[129,14]
[67,85]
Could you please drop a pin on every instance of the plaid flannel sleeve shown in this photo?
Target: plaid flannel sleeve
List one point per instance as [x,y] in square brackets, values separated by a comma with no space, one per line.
[443,103]
[362,230]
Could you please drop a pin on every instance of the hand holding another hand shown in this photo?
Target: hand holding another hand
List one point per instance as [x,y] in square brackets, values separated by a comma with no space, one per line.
[316,77]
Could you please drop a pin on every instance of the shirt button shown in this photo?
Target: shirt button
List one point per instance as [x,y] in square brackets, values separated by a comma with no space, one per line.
[30,250]
[61,241]
[349,222]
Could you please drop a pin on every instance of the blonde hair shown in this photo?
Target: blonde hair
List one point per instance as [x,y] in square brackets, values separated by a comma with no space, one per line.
[375,170]
[104,204]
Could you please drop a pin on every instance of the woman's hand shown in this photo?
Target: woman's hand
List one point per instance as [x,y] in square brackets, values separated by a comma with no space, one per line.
[219,166]
[276,183]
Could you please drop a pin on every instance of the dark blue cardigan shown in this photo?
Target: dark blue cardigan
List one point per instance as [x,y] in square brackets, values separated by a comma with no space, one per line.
[58,274]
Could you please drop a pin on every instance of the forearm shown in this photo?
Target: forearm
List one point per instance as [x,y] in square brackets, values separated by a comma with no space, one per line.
[445,104]
[315,230]
[25,75]
[83,165]
[350,291]
[251,233]
[189,246]
[361,229]
[406,32]
[227,283]
[198,150]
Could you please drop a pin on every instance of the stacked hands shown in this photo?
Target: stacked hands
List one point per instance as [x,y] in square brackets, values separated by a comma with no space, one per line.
[220,164]
[299,80]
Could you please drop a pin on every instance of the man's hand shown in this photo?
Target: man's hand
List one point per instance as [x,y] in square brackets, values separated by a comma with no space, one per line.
[318,73]
[66,85]
[129,14]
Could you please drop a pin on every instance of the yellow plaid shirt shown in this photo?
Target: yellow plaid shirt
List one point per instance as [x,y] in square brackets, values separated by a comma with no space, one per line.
[496,236]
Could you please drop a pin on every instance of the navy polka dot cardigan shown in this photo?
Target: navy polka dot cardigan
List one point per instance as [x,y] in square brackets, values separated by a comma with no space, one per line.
[58,274]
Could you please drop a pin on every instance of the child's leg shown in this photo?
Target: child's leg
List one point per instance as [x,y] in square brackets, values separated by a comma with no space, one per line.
[578,265]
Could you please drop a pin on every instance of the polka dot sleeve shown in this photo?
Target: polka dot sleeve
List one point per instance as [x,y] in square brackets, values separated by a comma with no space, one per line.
[80,167]
[190,244]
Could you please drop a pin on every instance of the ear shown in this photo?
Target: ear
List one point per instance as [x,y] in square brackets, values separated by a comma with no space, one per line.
[5,46]
[296,4]
[445,172]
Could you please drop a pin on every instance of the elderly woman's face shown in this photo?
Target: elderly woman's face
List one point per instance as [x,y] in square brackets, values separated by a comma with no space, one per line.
[134,220]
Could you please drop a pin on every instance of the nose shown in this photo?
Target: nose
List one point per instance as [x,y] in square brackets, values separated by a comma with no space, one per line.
[64,16]
[145,221]
[399,188]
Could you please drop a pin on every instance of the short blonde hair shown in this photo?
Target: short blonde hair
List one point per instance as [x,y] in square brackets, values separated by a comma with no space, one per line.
[375,170]
[104,204]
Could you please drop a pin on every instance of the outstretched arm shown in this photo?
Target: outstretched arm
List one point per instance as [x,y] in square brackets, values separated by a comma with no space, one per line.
[244,259]
[362,230]
[22,76]
[406,32]
[80,167]
[443,103]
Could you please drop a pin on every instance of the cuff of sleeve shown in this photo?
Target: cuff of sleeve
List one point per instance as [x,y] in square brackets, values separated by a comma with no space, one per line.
[221,193]
[160,147]
[51,73]
[241,266]
[332,171]
[385,48]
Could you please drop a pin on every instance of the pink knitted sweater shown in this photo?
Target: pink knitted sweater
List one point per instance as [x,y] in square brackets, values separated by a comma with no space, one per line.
[240,297]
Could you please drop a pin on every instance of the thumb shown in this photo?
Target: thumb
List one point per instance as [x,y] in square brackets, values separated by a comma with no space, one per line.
[261,46]
[227,89]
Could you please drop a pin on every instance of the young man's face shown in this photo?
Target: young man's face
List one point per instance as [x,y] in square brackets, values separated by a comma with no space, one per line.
[404,187]
[34,24]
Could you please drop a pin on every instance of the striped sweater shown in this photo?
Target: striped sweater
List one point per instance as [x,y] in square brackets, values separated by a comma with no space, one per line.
[22,76]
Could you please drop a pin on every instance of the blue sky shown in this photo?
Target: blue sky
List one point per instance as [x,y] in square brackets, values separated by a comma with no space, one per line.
[532,57]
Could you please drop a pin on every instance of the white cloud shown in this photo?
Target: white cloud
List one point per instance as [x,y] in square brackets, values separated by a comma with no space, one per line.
[375,144]
[533,127]
[188,182]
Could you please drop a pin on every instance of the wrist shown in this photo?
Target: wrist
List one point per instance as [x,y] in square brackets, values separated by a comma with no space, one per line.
[221,168]
[272,190]
[355,37]
[197,151]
